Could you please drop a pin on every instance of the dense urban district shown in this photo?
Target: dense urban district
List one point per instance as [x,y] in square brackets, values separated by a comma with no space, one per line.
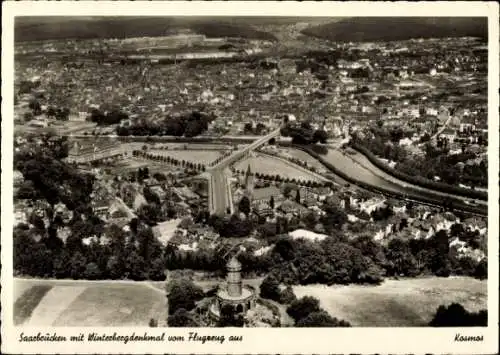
[251,181]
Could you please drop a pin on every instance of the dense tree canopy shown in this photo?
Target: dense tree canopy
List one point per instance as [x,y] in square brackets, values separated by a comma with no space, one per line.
[111,117]
[303,307]
[51,178]
[187,125]
[321,319]
[455,315]
[182,294]
[270,288]
[244,205]
[181,318]
[230,318]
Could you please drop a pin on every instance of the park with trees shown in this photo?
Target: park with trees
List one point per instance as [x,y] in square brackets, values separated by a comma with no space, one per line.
[187,125]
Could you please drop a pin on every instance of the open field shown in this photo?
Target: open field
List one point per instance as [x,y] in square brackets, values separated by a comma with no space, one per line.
[88,303]
[407,302]
[27,300]
[194,156]
[133,164]
[303,156]
[345,164]
[56,301]
[80,303]
[272,166]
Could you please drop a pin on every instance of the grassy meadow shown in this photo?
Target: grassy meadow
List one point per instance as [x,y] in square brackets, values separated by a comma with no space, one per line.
[397,303]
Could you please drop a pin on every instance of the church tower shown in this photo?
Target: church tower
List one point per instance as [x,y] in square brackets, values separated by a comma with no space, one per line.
[76,148]
[249,182]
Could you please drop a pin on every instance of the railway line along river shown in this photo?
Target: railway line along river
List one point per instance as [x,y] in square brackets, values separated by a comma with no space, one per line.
[358,167]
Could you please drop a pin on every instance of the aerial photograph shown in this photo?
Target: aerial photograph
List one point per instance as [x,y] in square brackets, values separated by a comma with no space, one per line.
[250,171]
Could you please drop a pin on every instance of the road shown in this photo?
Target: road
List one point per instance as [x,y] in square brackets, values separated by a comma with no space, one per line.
[241,152]
[220,198]
[441,129]
[219,192]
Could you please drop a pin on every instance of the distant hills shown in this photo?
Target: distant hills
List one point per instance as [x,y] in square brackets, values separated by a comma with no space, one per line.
[354,29]
[366,29]
[47,28]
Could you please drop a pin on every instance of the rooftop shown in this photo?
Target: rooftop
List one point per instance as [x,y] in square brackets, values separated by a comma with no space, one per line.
[233,263]
[266,192]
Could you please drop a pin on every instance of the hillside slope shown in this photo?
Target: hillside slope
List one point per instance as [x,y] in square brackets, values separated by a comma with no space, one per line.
[52,28]
[362,29]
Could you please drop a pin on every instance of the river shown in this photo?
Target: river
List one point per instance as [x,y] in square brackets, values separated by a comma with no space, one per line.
[360,168]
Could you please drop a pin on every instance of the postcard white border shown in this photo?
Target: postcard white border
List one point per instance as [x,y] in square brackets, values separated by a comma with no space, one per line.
[257,340]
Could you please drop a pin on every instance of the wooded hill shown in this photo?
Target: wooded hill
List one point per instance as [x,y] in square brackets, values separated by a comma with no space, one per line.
[54,28]
[365,29]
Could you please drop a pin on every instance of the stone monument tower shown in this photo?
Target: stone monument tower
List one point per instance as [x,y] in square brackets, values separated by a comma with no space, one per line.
[233,293]
[234,285]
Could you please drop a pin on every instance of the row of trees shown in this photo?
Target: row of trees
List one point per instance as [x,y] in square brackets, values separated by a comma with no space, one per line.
[297,161]
[169,160]
[283,179]
[39,251]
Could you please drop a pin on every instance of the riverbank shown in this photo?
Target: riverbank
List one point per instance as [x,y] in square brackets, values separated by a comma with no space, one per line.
[362,177]
[437,188]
